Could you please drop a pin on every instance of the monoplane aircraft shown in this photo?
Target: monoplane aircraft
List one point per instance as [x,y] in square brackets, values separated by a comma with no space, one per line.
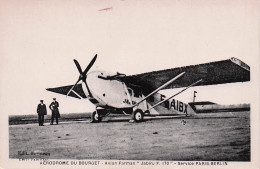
[137,95]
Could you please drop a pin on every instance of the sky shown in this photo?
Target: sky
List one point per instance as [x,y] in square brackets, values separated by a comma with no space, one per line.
[40,39]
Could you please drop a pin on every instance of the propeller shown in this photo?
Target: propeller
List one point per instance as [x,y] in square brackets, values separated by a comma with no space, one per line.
[83,75]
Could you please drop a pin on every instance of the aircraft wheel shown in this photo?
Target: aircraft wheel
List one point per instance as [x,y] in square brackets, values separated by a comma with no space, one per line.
[138,115]
[96,117]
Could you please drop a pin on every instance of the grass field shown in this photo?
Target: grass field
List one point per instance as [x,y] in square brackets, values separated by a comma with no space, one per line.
[211,137]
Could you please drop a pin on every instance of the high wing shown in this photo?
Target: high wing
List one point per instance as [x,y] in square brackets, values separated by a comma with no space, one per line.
[65,89]
[220,72]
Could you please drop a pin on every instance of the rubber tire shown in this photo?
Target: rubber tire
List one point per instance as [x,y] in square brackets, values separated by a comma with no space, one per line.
[95,118]
[138,115]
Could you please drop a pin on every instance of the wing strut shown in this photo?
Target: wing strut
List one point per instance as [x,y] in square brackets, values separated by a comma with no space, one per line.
[76,94]
[174,95]
[166,84]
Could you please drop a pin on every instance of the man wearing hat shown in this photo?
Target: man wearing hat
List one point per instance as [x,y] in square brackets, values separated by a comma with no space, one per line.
[41,111]
[55,111]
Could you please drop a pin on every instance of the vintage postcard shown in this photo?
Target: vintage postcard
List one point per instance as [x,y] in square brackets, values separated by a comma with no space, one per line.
[129,84]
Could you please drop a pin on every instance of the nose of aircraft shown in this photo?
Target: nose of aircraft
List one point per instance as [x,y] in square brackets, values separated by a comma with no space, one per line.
[83,75]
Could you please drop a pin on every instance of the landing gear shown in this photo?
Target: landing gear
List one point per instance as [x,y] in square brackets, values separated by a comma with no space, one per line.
[138,115]
[96,117]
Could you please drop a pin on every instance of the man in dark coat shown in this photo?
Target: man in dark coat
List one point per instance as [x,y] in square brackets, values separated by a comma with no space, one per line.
[55,111]
[41,110]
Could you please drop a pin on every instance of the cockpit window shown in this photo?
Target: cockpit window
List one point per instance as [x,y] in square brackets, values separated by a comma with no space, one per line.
[130,91]
[135,92]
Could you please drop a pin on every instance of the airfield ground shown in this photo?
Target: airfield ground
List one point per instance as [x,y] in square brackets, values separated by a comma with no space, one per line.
[211,137]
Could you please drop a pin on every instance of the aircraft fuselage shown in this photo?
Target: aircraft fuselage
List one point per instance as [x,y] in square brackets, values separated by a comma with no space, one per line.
[110,92]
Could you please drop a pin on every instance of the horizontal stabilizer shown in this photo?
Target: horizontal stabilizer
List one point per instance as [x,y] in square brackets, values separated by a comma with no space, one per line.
[65,89]
[209,107]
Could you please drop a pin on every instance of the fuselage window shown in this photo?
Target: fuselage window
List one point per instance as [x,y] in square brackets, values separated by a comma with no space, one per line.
[151,99]
[136,93]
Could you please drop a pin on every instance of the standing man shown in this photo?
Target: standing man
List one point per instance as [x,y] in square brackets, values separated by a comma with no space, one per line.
[55,111]
[41,111]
